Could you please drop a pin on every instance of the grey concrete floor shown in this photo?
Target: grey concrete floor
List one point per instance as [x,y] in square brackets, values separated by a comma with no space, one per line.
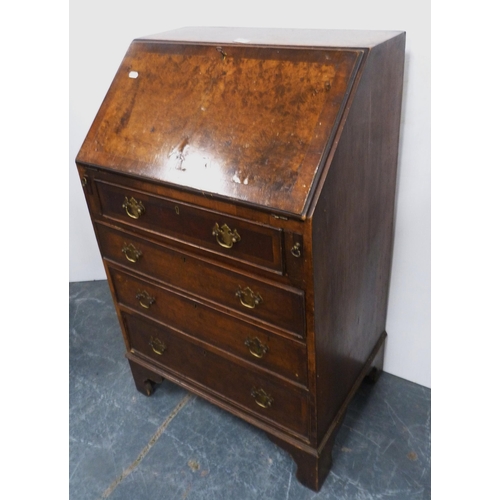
[174,445]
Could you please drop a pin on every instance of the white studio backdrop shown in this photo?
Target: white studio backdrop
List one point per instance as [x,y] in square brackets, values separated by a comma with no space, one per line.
[100,33]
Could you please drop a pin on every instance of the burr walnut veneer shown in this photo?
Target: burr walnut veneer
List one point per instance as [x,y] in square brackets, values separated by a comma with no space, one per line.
[241,185]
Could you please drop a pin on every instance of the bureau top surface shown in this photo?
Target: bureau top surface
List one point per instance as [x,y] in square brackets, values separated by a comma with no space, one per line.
[250,117]
[277,36]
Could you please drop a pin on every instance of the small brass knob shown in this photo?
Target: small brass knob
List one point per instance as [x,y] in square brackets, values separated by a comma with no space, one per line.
[261,397]
[131,253]
[249,298]
[133,208]
[157,346]
[256,347]
[224,236]
[145,300]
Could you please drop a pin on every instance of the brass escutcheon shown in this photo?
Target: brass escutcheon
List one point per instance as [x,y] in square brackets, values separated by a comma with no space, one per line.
[256,347]
[133,208]
[131,253]
[145,300]
[261,397]
[157,345]
[296,250]
[249,298]
[224,236]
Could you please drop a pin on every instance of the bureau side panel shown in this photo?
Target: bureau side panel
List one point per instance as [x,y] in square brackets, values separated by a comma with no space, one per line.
[353,232]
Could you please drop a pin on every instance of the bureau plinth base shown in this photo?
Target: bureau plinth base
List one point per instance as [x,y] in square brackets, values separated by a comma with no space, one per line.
[145,380]
[313,464]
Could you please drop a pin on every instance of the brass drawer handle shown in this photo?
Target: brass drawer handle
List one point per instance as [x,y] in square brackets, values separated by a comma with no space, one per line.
[131,253]
[224,236]
[157,345]
[145,299]
[261,397]
[296,250]
[249,298]
[256,347]
[133,208]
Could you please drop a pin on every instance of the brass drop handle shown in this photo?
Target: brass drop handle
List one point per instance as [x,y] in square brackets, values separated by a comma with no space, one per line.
[157,346]
[133,208]
[261,397]
[249,298]
[256,347]
[145,300]
[224,236]
[296,250]
[131,253]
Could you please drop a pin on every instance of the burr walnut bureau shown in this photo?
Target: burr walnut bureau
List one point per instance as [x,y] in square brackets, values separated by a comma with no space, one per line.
[241,185]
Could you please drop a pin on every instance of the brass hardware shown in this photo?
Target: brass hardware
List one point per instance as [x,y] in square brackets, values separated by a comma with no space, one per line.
[228,237]
[256,347]
[261,397]
[157,345]
[177,211]
[222,53]
[145,299]
[249,298]
[84,180]
[296,250]
[133,208]
[131,253]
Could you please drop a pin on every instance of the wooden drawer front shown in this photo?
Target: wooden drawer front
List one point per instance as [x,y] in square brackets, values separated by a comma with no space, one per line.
[281,355]
[233,382]
[281,306]
[257,245]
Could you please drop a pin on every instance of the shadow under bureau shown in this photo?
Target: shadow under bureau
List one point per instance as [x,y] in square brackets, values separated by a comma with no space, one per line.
[241,185]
